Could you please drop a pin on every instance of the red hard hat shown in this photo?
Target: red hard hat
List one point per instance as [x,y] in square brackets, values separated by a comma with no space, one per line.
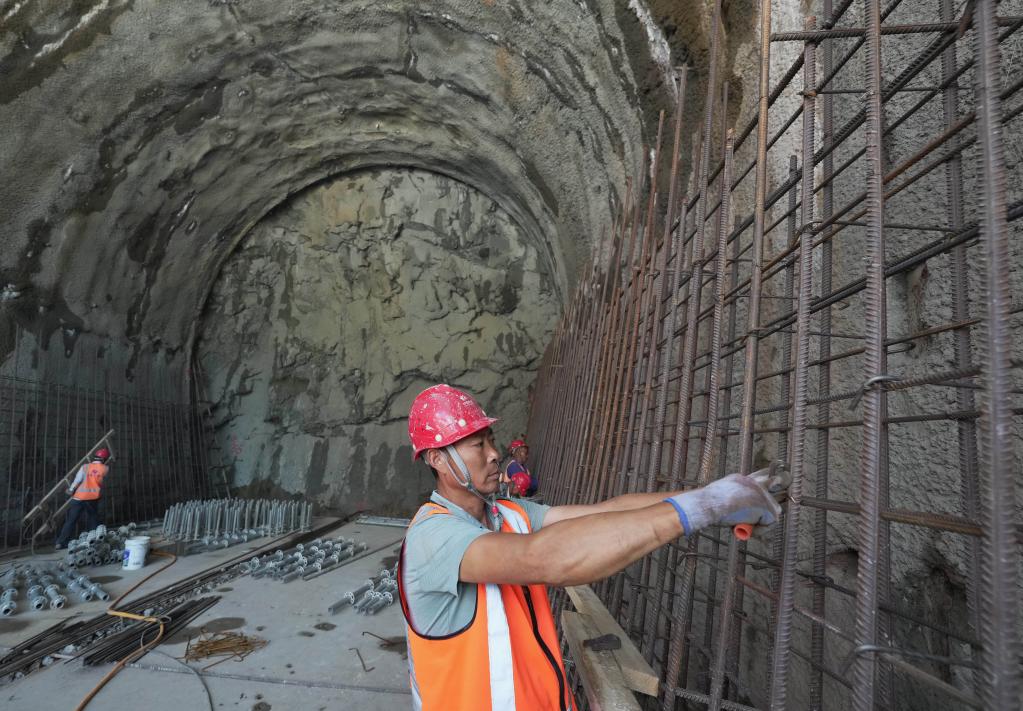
[516,444]
[442,415]
[521,481]
[103,454]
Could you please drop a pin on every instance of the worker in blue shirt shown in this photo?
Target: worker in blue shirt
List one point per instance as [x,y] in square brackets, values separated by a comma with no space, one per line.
[517,471]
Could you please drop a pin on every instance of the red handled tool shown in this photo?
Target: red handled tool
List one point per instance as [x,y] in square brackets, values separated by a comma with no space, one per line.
[743,531]
[780,478]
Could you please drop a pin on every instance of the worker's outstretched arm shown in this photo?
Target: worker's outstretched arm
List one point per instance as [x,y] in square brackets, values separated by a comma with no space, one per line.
[630,502]
[625,502]
[589,548]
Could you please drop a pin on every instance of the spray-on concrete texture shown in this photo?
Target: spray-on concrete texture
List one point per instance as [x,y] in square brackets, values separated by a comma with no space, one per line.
[148,138]
[345,303]
[144,142]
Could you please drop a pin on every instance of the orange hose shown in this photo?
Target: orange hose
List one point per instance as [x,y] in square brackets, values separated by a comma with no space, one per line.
[131,616]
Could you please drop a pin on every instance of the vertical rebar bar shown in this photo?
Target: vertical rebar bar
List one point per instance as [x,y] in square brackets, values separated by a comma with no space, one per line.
[875,367]
[822,458]
[720,653]
[673,258]
[1002,677]
[680,632]
[786,597]
[963,348]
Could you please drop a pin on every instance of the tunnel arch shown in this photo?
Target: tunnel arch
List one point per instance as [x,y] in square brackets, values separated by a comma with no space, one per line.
[190,124]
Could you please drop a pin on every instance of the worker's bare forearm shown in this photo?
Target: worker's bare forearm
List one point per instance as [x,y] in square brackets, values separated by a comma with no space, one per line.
[588,548]
[631,502]
[625,502]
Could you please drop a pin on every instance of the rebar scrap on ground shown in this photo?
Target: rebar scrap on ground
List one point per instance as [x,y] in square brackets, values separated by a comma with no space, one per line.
[227,645]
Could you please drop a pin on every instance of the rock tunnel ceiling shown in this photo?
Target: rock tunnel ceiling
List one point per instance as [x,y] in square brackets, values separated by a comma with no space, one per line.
[151,137]
[143,141]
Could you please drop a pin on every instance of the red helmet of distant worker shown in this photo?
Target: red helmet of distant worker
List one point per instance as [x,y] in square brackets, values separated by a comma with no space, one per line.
[520,480]
[442,415]
[101,455]
[516,444]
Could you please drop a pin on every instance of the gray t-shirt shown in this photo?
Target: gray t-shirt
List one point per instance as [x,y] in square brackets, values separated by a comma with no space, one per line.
[439,603]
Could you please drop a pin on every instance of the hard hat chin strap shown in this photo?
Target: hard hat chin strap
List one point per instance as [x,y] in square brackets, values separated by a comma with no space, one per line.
[466,481]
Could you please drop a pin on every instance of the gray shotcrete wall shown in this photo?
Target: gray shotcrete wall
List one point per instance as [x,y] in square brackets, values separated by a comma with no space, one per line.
[347,301]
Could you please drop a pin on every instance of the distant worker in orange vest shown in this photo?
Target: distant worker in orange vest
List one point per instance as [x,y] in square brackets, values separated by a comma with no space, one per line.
[473,569]
[85,491]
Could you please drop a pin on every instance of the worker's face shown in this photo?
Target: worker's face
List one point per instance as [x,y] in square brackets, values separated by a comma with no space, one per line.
[481,458]
[520,454]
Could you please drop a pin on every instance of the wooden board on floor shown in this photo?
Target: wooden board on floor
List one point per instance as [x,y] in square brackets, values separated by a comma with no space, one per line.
[637,673]
[601,677]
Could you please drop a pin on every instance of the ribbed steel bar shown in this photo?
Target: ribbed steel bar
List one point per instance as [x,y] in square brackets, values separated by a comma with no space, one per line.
[588,450]
[600,447]
[680,633]
[822,454]
[817,36]
[720,652]
[608,322]
[671,257]
[570,458]
[875,367]
[736,552]
[712,400]
[644,338]
[566,416]
[1001,676]
[660,558]
[629,367]
[786,590]
[674,238]
[544,434]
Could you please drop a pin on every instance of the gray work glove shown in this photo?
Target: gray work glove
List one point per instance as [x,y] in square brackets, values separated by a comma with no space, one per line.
[729,501]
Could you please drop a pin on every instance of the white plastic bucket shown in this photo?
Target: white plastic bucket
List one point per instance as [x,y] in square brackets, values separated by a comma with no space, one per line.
[135,550]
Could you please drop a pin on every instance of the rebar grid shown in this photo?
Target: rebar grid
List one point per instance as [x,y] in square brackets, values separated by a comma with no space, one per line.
[159,440]
[860,335]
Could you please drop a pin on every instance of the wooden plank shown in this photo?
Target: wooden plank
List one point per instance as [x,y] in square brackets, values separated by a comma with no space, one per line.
[638,674]
[601,677]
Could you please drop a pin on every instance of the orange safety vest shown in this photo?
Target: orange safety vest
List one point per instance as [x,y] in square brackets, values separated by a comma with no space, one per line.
[507,658]
[88,490]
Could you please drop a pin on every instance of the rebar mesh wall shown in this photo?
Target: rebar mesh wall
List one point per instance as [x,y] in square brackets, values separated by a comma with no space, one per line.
[54,406]
[867,336]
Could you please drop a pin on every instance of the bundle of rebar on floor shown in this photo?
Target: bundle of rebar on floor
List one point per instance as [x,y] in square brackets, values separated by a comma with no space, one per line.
[852,318]
[134,636]
[100,638]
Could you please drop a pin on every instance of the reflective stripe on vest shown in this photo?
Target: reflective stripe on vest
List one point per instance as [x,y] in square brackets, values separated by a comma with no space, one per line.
[89,489]
[506,659]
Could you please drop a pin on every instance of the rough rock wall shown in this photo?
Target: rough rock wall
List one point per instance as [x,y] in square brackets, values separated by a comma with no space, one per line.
[142,139]
[345,303]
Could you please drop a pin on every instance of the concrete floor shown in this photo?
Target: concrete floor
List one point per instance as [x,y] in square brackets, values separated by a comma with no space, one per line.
[308,663]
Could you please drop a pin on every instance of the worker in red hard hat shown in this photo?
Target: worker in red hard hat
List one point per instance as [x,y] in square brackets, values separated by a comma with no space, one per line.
[85,492]
[474,568]
[517,471]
